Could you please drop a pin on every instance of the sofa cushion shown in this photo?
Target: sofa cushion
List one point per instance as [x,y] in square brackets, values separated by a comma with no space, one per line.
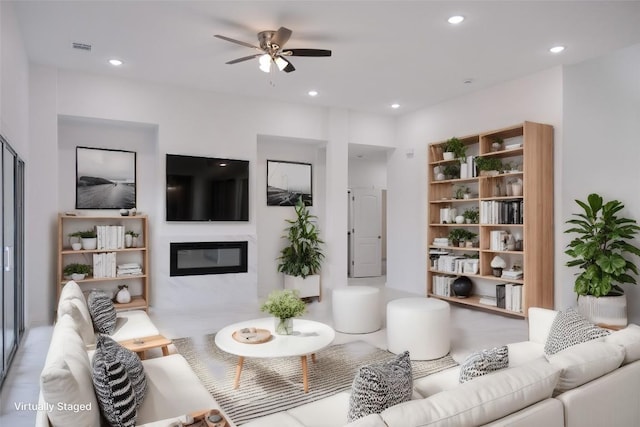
[629,338]
[482,362]
[114,390]
[103,312]
[585,362]
[378,386]
[480,401]
[65,381]
[70,290]
[83,325]
[570,328]
[130,361]
[524,352]
[173,389]
[133,324]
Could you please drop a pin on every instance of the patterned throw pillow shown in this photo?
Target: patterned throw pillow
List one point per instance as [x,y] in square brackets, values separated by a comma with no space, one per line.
[482,362]
[378,386]
[115,394]
[570,328]
[103,312]
[131,362]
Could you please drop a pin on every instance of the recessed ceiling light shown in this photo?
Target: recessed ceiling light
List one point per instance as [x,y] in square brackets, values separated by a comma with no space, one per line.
[395,106]
[115,62]
[556,49]
[313,92]
[456,19]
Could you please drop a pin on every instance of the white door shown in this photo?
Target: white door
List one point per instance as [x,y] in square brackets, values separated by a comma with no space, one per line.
[366,232]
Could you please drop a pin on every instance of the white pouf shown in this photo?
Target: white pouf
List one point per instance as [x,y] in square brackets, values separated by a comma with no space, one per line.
[356,309]
[420,325]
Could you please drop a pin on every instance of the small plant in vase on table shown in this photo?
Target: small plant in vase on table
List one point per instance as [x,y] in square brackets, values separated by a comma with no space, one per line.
[284,305]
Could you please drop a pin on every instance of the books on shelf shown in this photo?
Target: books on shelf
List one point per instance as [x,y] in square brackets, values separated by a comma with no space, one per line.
[512,274]
[509,296]
[110,236]
[441,285]
[487,300]
[441,241]
[129,269]
[104,265]
[501,212]
[498,240]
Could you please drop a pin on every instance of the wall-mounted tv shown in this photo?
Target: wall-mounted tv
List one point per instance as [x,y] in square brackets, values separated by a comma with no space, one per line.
[207,189]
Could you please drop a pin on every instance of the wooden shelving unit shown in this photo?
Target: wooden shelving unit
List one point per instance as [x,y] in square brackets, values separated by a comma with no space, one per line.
[535,155]
[138,284]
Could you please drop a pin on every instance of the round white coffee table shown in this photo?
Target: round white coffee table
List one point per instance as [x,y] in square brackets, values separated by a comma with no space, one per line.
[308,337]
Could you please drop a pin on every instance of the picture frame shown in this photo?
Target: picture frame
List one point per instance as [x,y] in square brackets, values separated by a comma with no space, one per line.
[105,178]
[288,181]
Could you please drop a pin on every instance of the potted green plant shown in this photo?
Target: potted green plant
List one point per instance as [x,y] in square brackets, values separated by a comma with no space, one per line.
[471,215]
[458,236]
[601,249]
[76,271]
[129,237]
[488,165]
[87,237]
[284,305]
[497,143]
[453,148]
[451,171]
[301,259]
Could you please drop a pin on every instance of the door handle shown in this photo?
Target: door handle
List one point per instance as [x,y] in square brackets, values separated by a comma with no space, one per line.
[7,258]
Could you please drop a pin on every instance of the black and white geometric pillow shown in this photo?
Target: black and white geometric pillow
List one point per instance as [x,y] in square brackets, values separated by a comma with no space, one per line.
[379,386]
[115,394]
[130,361]
[103,312]
[482,362]
[570,328]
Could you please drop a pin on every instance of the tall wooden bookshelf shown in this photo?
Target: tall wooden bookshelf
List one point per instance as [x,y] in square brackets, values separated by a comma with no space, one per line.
[528,147]
[138,284]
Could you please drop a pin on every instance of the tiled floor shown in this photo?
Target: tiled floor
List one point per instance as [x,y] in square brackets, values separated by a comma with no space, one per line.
[470,330]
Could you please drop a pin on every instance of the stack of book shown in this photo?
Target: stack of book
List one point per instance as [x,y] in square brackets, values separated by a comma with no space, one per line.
[130,269]
[441,285]
[501,212]
[441,241]
[110,236]
[512,274]
[104,265]
[498,240]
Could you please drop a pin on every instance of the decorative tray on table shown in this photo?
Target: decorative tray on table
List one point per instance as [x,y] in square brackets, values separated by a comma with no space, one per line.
[252,335]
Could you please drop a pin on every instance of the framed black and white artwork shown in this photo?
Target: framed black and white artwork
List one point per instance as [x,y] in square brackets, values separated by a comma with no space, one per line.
[105,178]
[287,182]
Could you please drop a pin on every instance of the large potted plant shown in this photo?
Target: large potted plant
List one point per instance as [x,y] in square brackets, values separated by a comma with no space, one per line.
[300,260]
[601,250]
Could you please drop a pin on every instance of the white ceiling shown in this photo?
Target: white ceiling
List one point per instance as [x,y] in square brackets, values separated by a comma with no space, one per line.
[383,51]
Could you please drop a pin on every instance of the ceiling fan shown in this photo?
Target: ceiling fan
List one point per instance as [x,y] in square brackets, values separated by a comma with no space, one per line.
[272,50]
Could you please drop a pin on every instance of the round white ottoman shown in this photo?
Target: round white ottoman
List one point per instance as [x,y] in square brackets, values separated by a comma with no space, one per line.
[420,325]
[356,309]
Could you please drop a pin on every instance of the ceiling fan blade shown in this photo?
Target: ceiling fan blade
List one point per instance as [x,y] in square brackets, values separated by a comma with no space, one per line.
[244,58]
[289,68]
[281,36]
[236,41]
[307,52]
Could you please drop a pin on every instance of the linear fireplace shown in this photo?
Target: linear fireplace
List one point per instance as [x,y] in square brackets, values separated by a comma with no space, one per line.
[198,258]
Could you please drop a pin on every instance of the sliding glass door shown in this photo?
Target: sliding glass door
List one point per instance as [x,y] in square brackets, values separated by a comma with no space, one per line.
[12,221]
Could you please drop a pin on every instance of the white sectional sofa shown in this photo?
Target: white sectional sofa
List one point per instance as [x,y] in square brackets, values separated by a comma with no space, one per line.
[589,385]
[67,395]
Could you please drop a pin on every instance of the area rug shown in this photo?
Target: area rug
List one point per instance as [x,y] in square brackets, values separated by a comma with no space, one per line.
[273,385]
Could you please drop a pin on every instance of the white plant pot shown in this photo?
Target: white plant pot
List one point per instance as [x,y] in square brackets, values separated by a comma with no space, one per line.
[76,246]
[604,311]
[307,287]
[89,243]
[77,276]
[448,155]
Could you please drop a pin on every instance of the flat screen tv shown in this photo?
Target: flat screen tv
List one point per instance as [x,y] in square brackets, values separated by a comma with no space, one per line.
[207,189]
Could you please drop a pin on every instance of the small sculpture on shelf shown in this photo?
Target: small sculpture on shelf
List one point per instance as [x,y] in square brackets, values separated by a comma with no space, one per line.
[123,296]
[497,265]
[462,287]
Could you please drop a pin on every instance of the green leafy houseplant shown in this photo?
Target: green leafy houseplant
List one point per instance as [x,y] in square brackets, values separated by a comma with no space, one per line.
[488,163]
[601,248]
[132,233]
[455,146]
[473,215]
[75,268]
[86,234]
[451,171]
[303,256]
[458,235]
[284,305]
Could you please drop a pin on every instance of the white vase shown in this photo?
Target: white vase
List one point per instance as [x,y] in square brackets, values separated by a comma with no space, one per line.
[128,238]
[604,311]
[76,246]
[448,155]
[77,276]
[516,189]
[459,219]
[89,243]
[283,326]
[123,296]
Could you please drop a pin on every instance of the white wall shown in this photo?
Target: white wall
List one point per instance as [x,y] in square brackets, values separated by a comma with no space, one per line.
[195,123]
[369,172]
[601,149]
[537,98]
[271,219]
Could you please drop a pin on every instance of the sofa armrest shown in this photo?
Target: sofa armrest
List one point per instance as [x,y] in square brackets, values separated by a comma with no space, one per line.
[540,320]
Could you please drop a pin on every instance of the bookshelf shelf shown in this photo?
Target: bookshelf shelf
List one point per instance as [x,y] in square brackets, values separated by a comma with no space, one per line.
[138,283]
[531,159]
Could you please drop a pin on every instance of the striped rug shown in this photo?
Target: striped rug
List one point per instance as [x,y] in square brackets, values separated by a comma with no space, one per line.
[273,385]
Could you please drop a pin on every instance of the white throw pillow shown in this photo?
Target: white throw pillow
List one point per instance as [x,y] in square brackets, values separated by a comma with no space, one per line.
[629,338]
[83,325]
[585,362]
[66,382]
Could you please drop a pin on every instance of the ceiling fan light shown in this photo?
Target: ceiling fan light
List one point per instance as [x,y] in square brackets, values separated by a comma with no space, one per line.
[281,63]
[265,63]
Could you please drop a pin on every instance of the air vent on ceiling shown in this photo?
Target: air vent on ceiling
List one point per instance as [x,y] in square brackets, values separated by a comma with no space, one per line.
[81,46]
